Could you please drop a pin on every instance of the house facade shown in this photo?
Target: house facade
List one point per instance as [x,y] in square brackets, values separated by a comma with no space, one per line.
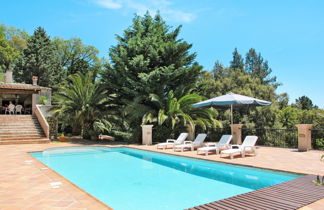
[26,95]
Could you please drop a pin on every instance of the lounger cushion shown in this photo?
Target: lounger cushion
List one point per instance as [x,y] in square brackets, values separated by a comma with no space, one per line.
[165,144]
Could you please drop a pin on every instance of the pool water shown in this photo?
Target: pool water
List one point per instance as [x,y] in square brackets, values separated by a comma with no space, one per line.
[131,179]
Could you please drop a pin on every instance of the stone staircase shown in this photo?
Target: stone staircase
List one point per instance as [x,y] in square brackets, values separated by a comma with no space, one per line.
[21,129]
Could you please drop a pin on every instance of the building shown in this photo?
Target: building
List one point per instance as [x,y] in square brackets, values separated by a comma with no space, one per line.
[26,95]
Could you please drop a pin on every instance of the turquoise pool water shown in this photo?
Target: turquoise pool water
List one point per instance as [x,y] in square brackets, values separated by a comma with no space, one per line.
[131,179]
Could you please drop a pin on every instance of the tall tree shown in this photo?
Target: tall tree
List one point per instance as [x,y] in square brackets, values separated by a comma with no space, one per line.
[7,52]
[304,103]
[237,62]
[38,59]
[259,68]
[75,56]
[149,59]
[219,71]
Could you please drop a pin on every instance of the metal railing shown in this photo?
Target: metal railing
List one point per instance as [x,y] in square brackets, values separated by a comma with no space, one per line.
[214,134]
[318,138]
[275,137]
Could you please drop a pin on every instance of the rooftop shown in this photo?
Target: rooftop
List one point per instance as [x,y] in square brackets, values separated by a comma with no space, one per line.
[21,86]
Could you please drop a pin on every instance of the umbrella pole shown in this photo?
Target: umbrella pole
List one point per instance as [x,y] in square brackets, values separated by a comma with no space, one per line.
[231,119]
[232,114]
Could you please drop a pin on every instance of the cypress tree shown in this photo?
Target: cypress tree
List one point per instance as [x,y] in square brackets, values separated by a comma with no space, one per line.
[237,61]
[150,58]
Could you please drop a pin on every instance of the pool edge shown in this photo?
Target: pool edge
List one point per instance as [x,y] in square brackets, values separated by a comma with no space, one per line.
[68,181]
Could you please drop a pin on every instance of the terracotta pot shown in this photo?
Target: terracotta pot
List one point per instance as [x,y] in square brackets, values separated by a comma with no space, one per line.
[94,137]
[63,138]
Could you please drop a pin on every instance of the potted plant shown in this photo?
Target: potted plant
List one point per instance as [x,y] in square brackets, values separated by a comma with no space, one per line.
[319,181]
[62,138]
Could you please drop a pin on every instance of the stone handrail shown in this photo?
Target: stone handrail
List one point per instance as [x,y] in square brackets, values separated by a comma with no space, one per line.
[42,120]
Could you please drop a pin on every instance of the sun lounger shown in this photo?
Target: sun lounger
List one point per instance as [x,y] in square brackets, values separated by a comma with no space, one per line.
[221,145]
[248,146]
[198,142]
[172,142]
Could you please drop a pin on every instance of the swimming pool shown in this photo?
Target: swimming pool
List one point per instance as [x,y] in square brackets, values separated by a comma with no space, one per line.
[131,179]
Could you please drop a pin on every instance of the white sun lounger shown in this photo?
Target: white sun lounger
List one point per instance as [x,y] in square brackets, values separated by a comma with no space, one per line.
[198,142]
[221,145]
[172,142]
[248,146]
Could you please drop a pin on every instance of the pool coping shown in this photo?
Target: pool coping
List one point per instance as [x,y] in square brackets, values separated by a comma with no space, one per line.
[212,205]
[182,154]
[67,180]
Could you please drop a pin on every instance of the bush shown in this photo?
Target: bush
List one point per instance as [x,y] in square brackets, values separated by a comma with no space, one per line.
[319,144]
[52,122]
[43,100]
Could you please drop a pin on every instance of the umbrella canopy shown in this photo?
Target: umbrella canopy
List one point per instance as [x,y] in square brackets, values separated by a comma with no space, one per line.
[231,100]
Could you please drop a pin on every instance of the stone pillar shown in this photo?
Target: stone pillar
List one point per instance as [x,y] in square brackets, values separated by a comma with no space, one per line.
[237,133]
[147,134]
[304,137]
[35,100]
[8,76]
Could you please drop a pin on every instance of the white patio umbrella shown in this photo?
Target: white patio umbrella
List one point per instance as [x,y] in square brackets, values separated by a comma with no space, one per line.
[231,100]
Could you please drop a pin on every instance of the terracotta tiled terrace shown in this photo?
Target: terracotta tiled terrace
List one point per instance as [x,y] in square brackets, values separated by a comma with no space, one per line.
[25,183]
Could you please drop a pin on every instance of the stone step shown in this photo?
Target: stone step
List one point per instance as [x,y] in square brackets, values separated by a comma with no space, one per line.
[18,124]
[15,131]
[21,137]
[21,129]
[31,134]
[16,116]
[23,141]
[16,120]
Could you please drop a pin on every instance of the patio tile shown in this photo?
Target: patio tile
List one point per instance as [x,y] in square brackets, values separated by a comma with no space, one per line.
[25,185]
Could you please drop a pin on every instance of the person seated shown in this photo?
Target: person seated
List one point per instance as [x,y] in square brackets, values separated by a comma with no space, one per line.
[11,108]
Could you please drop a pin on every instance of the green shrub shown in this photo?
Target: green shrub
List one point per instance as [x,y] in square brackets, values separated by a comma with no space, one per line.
[319,144]
[43,100]
[122,136]
[52,122]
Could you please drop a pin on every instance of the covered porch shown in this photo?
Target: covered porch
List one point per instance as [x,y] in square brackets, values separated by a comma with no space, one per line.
[24,96]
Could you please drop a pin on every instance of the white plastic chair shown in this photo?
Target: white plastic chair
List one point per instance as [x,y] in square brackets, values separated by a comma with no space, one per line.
[19,109]
[221,145]
[248,146]
[172,142]
[198,142]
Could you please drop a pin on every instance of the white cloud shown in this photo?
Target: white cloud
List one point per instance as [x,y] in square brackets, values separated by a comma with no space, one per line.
[109,4]
[141,6]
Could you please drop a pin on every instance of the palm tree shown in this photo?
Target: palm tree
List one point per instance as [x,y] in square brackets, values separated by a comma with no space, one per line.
[82,102]
[172,111]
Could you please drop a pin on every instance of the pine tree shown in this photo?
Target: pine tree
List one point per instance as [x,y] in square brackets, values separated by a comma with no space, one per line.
[259,68]
[38,59]
[237,62]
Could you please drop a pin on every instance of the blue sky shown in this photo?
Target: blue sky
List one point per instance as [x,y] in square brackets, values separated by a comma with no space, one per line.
[289,34]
